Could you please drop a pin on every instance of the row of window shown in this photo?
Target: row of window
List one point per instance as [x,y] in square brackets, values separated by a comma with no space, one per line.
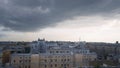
[59,51]
[55,60]
[82,51]
[52,65]
[24,66]
[55,65]
[59,56]
[51,60]
[21,61]
[25,57]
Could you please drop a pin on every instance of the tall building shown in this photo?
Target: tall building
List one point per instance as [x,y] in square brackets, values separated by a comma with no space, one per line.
[39,46]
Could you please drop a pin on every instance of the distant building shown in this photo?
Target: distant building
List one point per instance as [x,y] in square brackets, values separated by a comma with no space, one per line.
[14,49]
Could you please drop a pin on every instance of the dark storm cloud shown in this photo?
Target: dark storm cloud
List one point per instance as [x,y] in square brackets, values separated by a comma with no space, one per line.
[31,15]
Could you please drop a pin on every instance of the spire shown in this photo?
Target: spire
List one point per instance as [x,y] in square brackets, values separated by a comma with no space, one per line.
[38,39]
[41,39]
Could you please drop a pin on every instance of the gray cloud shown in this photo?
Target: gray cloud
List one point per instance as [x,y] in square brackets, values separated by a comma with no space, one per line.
[31,15]
[2,35]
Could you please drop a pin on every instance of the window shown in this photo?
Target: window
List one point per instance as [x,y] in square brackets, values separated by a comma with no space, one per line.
[25,66]
[68,65]
[57,51]
[64,59]
[20,57]
[19,66]
[67,51]
[61,59]
[68,59]
[51,60]
[29,60]
[50,51]
[45,66]
[20,61]
[28,66]
[51,65]
[55,65]
[45,60]
[25,60]
[62,65]
[14,61]
[55,60]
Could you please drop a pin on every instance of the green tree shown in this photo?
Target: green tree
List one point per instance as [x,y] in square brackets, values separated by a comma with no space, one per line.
[6,57]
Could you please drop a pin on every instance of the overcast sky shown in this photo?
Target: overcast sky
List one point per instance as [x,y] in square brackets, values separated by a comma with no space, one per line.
[69,20]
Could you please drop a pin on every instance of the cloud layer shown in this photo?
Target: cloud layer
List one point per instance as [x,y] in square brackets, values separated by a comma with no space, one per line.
[31,15]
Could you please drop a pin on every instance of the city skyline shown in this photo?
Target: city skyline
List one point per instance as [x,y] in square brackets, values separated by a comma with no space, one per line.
[60,20]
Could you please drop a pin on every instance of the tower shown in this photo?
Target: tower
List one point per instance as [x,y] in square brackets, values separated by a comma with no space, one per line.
[41,45]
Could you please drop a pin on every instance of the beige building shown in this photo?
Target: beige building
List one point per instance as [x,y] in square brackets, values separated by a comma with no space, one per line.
[52,61]
[82,60]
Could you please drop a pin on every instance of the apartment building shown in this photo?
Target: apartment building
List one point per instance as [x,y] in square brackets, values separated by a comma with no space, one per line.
[20,60]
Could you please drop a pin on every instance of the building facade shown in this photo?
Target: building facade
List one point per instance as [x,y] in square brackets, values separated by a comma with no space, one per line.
[20,60]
